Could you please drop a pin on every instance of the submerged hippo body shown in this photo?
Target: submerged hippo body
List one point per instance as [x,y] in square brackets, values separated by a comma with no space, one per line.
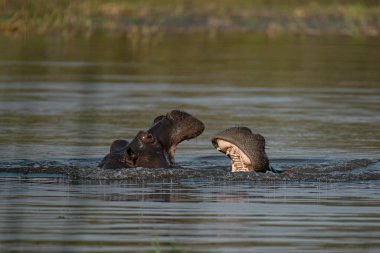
[245,149]
[154,148]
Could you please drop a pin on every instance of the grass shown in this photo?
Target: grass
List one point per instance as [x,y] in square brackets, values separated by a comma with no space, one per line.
[149,17]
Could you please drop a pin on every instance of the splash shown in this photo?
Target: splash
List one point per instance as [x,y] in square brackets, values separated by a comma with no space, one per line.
[294,170]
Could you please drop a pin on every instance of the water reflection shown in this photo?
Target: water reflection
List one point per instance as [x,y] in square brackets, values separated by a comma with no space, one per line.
[72,97]
[83,120]
[192,215]
[239,59]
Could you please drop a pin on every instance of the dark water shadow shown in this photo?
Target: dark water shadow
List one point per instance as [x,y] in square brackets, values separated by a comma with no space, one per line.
[210,168]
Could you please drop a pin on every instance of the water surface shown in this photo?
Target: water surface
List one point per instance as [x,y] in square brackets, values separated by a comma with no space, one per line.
[195,216]
[315,100]
[65,98]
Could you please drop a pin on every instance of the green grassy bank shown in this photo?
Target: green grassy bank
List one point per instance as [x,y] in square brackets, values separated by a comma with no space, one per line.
[150,17]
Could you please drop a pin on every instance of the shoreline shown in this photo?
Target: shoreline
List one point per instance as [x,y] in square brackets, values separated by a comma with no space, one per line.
[136,19]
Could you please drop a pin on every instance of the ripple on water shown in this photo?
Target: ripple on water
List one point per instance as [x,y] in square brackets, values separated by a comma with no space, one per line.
[293,170]
[196,215]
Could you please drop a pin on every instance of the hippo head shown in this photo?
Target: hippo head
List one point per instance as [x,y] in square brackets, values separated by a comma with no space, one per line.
[173,128]
[153,148]
[245,149]
[118,157]
[143,151]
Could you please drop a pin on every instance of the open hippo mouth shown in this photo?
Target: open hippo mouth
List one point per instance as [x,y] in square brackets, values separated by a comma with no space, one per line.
[239,160]
[173,128]
[245,149]
[154,148]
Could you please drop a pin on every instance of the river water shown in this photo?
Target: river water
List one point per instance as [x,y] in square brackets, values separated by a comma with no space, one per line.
[315,100]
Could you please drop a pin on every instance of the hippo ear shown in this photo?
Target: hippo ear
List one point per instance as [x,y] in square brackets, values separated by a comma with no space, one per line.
[118,145]
[158,118]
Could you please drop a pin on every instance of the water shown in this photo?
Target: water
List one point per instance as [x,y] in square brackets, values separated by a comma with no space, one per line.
[193,216]
[315,100]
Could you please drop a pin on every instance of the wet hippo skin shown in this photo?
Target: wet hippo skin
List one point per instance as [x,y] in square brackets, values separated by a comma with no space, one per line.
[173,128]
[245,149]
[154,148]
[118,156]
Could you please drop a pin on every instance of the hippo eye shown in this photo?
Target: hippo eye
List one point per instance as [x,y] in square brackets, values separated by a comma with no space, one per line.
[148,138]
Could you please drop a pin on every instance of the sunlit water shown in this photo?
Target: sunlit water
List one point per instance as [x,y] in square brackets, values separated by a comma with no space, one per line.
[315,100]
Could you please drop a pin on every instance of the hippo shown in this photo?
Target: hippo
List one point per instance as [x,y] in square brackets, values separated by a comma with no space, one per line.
[245,149]
[174,128]
[143,151]
[154,148]
[118,156]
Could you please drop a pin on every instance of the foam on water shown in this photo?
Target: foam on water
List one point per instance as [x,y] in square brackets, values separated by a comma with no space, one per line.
[206,169]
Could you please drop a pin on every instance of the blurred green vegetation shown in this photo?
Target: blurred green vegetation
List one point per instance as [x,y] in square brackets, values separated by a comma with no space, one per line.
[149,17]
